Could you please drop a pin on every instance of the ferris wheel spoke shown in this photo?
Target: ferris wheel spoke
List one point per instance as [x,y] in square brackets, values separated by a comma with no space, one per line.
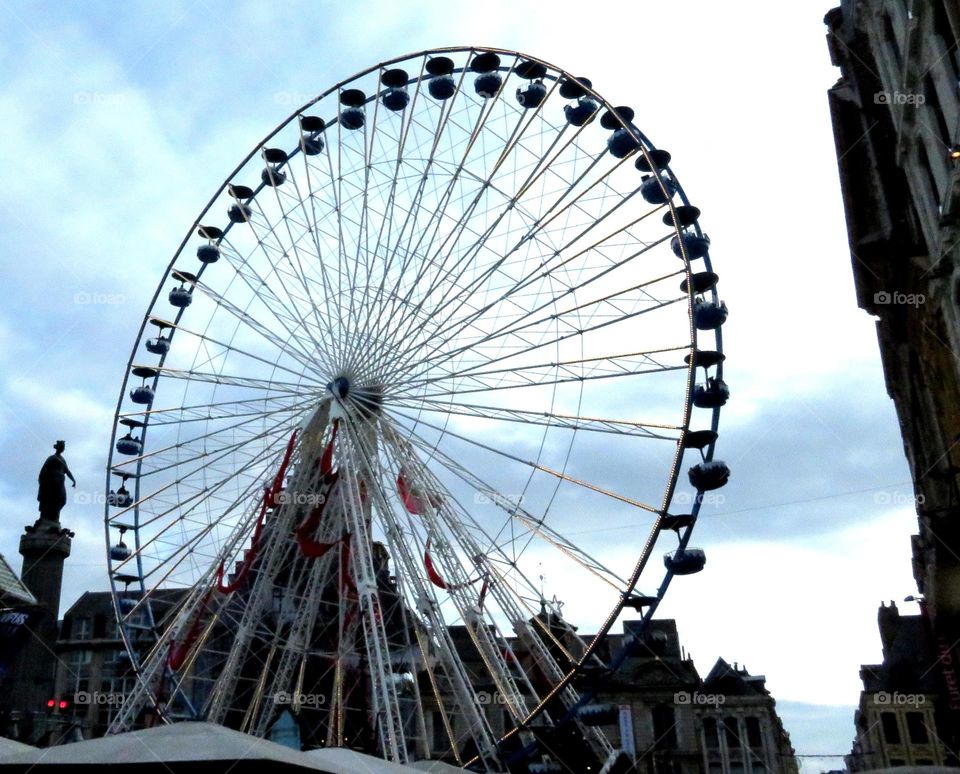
[230,348]
[236,380]
[284,347]
[444,249]
[293,308]
[297,262]
[276,255]
[407,121]
[525,463]
[539,226]
[474,248]
[488,646]
[564,370]
[284,312]
[511,509]
[519,346]
[205,458]
[140,502]
[499,386]
[444,541]
[525,323]
[202,412]
[187,506]
[550,419]
[414,210]
[330,295]
[453,329]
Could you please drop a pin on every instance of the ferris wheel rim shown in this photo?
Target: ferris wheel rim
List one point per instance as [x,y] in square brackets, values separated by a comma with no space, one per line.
[645,148]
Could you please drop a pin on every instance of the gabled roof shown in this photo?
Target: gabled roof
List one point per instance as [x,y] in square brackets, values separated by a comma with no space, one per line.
[13,592]
[734,681]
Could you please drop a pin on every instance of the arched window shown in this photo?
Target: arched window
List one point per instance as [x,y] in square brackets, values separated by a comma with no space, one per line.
[664,728]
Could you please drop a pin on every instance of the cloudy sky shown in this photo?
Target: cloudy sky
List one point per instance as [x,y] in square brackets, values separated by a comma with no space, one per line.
[121,120]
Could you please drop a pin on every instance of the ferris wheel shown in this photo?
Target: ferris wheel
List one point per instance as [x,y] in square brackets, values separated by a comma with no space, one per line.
[440,327]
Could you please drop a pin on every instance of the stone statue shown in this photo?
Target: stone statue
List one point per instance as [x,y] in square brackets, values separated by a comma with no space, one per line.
[52,492]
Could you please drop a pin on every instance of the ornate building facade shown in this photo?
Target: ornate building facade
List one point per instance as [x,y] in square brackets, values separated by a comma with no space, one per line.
[896,724]
[895,114]
[666,717]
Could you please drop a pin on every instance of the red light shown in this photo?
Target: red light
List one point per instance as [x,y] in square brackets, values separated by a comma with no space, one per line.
[51,703]
[63,704]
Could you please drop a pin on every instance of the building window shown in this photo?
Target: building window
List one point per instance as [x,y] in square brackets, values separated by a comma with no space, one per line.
[664,728]
[917,728]
[710,733]
[754,737]
[81,629]
[76,658]
[732,733]
[891,731]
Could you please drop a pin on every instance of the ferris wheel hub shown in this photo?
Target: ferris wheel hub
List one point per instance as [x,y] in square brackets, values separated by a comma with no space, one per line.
[339,387]
[367,399]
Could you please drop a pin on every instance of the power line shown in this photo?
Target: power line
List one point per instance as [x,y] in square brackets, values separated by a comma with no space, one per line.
[760,507]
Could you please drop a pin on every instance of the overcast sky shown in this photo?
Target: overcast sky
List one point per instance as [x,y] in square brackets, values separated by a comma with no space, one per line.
[119,122]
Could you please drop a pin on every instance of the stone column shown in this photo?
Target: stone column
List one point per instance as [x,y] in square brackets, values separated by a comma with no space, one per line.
[44,547]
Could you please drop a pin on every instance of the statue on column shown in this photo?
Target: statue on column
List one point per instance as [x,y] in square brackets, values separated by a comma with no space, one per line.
[52,490]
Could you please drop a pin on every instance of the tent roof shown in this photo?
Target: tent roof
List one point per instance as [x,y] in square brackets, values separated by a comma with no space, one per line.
[189,742]
[13,592]
[435,767]
[342,759]
[180,742]
[10,747]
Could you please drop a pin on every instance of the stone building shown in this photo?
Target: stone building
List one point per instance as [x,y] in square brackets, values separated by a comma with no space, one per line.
[744,733]
[665,717]
[672,720]
[895,114]
[93,674]
[895,720]
[669,719]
